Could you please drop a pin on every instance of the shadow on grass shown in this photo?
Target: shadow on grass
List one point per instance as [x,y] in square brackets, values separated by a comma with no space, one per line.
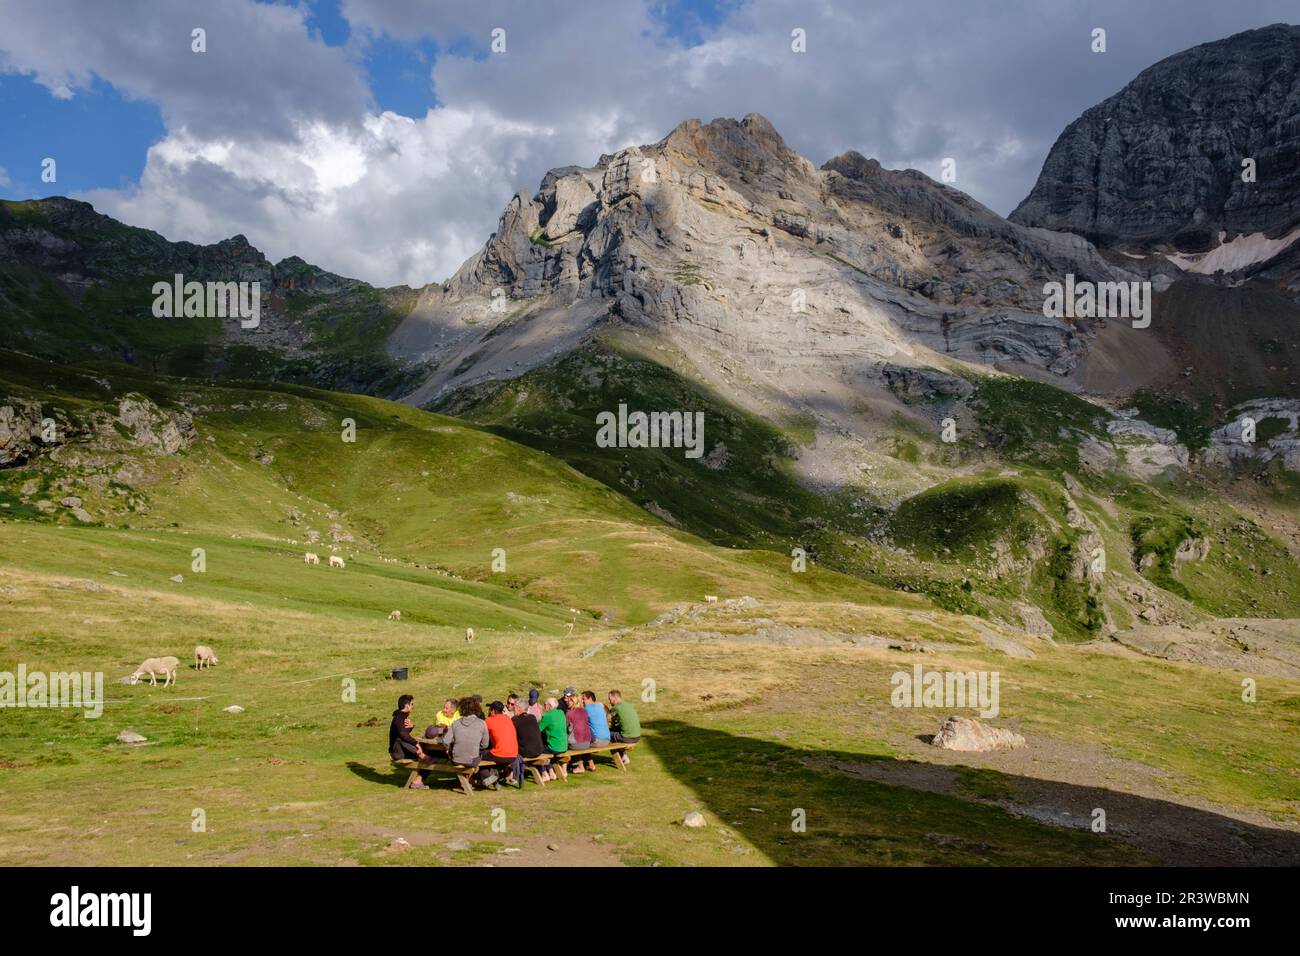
[394,776]
[866,810]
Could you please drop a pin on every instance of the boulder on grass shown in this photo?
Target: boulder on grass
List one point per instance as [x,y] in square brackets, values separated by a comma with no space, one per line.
[969,734]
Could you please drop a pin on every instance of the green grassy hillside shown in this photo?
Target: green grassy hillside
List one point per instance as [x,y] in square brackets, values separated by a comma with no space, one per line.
[327,331]
[269,462]
[993,532]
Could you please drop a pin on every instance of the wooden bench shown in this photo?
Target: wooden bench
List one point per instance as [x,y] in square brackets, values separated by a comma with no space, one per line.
[533,765]
[613,749]
[463,774]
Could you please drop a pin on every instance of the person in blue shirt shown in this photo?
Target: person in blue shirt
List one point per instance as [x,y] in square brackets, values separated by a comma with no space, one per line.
[596,717]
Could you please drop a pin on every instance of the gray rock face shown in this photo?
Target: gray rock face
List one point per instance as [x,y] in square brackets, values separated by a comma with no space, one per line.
[721,239]
[1277,427]
[20,431]
[1161,161]
[146,426]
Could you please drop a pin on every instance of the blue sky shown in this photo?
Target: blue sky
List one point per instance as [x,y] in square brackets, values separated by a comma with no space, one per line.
[98,138]
[382,138]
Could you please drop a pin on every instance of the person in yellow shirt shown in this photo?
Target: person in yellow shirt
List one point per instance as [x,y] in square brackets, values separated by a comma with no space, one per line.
[445,718]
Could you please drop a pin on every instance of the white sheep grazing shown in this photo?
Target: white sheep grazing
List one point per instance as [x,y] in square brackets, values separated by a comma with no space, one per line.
[155,666]
[204,657]
[310,558]
[336,561]
[710,599]
[395,616]
[469,634]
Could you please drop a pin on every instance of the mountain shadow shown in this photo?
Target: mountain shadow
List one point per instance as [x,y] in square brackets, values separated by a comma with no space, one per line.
[758,787]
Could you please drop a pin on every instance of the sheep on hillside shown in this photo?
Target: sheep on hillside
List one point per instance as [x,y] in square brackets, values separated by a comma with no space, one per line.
[155,666]
[395,616]
[336,561]
[204,657]
[310,558]
[469,634]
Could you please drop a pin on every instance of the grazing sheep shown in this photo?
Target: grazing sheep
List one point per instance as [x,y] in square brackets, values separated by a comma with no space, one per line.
[710,599]
[395,616]
[336,561]
[469,634]
[155,666]
[310,558]
[204,657]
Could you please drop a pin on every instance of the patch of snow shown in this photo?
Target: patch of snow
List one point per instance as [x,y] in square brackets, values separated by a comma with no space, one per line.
[1241,252]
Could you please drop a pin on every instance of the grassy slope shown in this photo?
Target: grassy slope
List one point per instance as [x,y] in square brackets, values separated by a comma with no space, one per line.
[413,486]
[752,500]
[940,542]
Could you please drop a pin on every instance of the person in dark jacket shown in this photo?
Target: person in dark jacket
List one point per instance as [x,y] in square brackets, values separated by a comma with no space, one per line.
[529,735]
[401,745]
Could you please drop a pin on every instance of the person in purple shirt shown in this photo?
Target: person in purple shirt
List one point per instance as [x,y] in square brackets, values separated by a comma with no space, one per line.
[579,731]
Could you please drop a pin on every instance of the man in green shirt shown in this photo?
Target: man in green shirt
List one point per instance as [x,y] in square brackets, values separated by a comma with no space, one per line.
[624,724]
[555,734]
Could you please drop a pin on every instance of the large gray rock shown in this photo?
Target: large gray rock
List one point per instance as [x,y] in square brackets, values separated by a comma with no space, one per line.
[20,430]
[969,734]
[1160,161]
[151,427]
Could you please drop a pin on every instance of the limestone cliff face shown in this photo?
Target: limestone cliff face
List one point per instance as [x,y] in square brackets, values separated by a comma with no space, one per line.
[1160,162]
[720,237]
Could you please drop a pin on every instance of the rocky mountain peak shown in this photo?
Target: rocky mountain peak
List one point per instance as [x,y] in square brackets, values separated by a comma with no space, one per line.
[852,165]
[707,237]
[1160,163]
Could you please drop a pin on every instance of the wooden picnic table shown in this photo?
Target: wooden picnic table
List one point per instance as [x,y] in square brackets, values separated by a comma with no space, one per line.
[464,773]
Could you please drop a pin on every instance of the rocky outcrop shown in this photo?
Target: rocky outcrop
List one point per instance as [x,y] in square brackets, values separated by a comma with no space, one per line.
[147,427]
[20,431]
[1276,429]
[1145,449]
[1160,162]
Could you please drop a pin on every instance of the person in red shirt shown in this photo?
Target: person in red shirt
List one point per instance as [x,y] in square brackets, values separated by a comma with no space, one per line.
[503,743]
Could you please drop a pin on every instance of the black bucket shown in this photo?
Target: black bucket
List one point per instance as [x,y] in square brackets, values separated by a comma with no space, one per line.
[399,673]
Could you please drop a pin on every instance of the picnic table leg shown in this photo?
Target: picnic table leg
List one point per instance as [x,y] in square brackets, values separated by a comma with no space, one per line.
[537,775]
[618,759]
[465,785]
[563,767]
[411,779]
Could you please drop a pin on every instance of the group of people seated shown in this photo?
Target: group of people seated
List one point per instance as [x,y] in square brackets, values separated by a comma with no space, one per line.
[500,740]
